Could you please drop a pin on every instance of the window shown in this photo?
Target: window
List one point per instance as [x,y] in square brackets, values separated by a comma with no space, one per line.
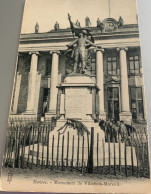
[134,65]
[48,68]
[137,108]
[112,65]
[113,103]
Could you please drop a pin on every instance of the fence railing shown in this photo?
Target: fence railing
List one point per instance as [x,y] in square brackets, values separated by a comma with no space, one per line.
[36,146]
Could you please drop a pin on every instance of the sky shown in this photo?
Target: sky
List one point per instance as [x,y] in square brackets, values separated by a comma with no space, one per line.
[47,12]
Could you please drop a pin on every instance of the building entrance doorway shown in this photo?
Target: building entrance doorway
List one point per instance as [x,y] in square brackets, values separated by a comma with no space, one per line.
[113,103]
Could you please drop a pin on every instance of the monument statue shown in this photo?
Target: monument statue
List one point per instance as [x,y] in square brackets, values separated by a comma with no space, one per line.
[80,46]
[80,52]
[56,26]
[120,21]
[37,28]
[100,25]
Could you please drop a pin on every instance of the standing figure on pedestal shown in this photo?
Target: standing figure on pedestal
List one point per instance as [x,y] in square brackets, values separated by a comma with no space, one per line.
[80,46]
[80,52]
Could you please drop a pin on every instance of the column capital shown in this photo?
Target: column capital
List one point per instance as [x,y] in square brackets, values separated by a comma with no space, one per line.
[100,49]
[51,52]
[34,52]
[122,48]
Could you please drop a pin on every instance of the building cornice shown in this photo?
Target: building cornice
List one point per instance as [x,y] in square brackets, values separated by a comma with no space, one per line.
[63,35]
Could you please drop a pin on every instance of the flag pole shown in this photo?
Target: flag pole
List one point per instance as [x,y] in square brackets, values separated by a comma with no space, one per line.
[109,7]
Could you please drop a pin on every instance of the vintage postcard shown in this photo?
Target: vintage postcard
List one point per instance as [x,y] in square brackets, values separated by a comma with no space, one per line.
[77,120]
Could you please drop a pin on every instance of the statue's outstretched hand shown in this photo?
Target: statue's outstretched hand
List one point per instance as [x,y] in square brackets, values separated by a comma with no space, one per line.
[68,45]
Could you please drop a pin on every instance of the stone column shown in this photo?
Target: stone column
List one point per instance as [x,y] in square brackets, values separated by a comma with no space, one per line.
[100,82]
[125,108]
[54,82]
[32,83]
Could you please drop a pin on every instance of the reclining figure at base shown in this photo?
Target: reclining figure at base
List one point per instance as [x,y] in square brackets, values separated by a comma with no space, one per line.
[72,123]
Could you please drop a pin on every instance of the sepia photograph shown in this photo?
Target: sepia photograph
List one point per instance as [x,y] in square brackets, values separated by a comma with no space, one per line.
[77,120]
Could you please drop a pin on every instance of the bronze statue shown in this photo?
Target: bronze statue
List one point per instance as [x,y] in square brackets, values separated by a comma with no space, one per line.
[80,51]
[80,46]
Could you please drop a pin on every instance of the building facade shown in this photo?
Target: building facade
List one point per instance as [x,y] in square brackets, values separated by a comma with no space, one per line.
[43,64]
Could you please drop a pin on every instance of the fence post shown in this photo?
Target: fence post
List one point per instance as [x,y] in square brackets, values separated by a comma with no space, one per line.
[148,159]
[125,153]
[88,151]
[58,150]
[143,158]
[16,143]
[109,152]
[23,155]
[48,147]
[33,139]
[97,151]
[19,150]
[82,154]
[52,150]
[11,150]
[103,143]
[137,160]
[132,159]
[91,167]
[62,153]
[42,143]
[72,153]
[78,152]
[114,156]
[120,154]
[29,147]
[67,149]
[38,146]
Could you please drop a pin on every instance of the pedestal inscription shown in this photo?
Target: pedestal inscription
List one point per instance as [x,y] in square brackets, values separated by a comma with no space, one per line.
[76,105]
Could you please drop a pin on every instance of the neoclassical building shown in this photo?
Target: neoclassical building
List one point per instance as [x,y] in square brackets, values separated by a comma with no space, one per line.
[44,67]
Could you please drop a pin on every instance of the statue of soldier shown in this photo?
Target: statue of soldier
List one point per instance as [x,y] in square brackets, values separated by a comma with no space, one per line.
[80,51]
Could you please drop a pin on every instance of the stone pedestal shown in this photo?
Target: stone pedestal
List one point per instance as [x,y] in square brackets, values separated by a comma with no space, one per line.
[77,98]
[77,101]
